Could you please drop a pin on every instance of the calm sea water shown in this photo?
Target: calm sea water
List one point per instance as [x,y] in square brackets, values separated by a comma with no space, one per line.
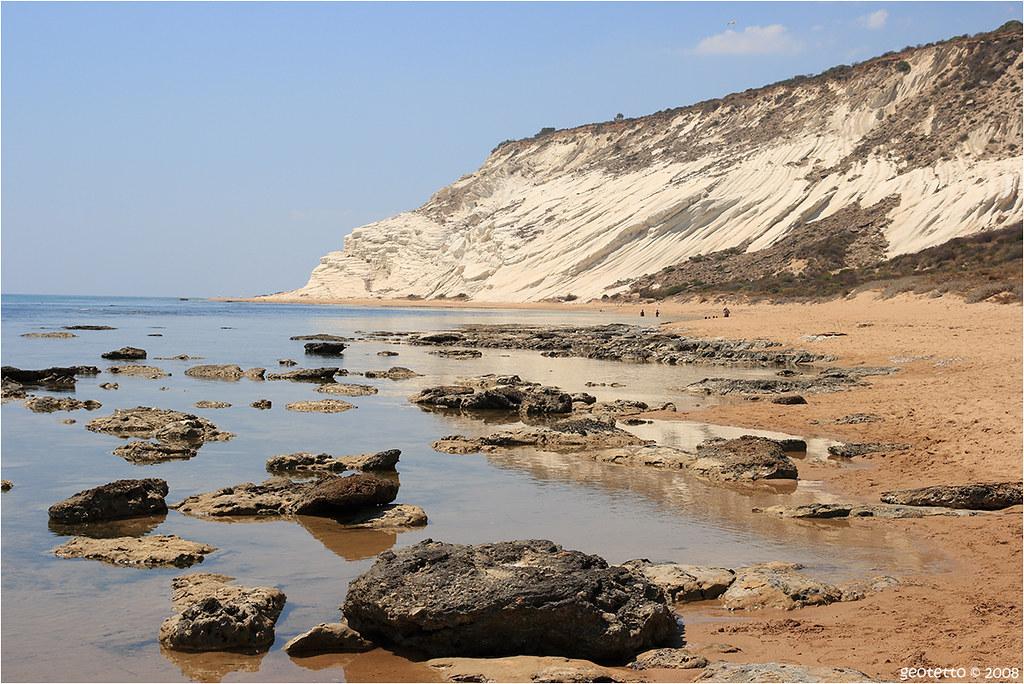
[81,620]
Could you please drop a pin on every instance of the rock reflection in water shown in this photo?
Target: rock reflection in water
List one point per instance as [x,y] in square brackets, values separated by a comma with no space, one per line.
[352,544]
[378,665]
[212,666]
[128,527]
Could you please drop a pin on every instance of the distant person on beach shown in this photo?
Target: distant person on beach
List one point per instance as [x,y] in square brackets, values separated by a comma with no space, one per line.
[657,313]
[641,313]
[725,312]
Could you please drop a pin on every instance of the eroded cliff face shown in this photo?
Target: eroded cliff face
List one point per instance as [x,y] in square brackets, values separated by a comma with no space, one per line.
[932,135]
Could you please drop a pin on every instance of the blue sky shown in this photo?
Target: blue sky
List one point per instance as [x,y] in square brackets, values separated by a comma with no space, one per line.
[190,149]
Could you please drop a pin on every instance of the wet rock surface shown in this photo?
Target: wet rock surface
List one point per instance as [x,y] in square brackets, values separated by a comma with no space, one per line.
[838,510]
[573,434]
[51,404]
[213,615]
[336,637]
[347,389]
[862,448]
[507,598]
[272,497]
[307,374]
[320,406]
[306,461]
[745,459]
[778,672]
[156,550]
[136,370]
[458,353]
[109,385]
[118,499]
[125,354]
[983,496]
[390,517]
[325,348]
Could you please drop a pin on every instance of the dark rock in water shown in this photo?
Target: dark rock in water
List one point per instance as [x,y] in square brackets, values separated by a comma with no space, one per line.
[789,399]
[792,444]
[320,337]
[527,398]
[155,452]
[213,615]
[393,373]
[746,458]
[458,353]
[839,510]
[125,353]
[860,449]
[262,404]
[109,385]
[287,362]
[137,370]
[88,327]
[12,390]
[778,672]
[308,375]
[57,377]
[339,495]
[51,404]
[118,499]
[325,348]
[509,598]
[308,462]
[6,485]
[337,637]
[979,496]
[387,352]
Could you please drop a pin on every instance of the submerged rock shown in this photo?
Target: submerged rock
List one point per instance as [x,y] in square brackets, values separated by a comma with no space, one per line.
[213,615]
[51,404]
[308,375]
[118,499]
[746,458]
[325,348]
[320,406]
[125,354]
[109,385]
[778,672]
[150,372]
[983,496]
[137,551]
[574,434]
[336,637]
[507,598]
[682,583]
[287,362]
[305,461]
[777,585]
[347,389]
[393,373]
[207,404]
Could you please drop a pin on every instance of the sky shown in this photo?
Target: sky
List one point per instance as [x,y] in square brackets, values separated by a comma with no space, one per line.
[219,149]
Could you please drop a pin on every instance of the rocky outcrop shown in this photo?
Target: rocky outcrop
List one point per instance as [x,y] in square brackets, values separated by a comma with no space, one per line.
[262,404]
[155,452]
[305,461]
[669,659]
[54,378]
[163,425]
[152,551]
[507,394]
[983,496]
[325,348]
[125,354]
[273,497]
[507,598]
[347,389]
[336,637]
[573,434]
[308,375]
[777,585]
[682,583]
[118,499]
[828,380]
[778,672]
[46,404]
[320,406]
[139,371]
[212,615]
[745,459]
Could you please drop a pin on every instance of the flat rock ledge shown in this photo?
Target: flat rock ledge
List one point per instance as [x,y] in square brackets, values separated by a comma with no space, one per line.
[49,335]
[574,434]
[850,450]
[208,404]
[778,672]
[827,380]
[135,370]
[152,551]
[983,496]
[347,389]
[213,615]
[393,373]
[508,598]
[175,435]
[826,511]
[336,637]
[308,374]
[56,377]
[320,406]
[304,461]
[504,393]
[125,354]
[51,404]
[111,501]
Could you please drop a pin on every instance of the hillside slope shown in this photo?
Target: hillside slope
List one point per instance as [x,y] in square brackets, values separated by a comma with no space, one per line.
[925,145]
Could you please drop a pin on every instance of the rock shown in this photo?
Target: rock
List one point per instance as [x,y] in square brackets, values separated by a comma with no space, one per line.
[178,357]
[618,407]
[69,421]
[56,377]
[118,499]
[273,497]
[583,398]
[325,348]
[320,406]
[644,455]
[262,404]
[162,424]
[336,637]
[213,615]
[857,589]
[339,495]
[745,459]
[155,452]
[791,444]
[305,461]
[319,337]
[216,372]
[778,672]
[776,586]
[393,373]
[390,517]
[12,390]
[670,659]
[50,335]
[981,496]
[507,598]
[150,372]
[387,352]
[574,434]
[527,398]
[6,485]
[255,373]
[682,583]
[206,404]
[347,389]
[458,354]
[824,511]
[574,673]
[137,551]
[287,362]
[857,419]
[527,669]
[88,327]
[109,385]
[51,404]
[125,354]
[789,399]
[850,450]
[307,375]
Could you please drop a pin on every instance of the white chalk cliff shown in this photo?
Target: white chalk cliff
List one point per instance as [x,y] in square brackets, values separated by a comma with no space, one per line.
[586,210]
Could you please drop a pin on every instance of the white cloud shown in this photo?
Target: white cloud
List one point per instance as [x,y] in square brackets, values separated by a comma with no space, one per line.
[753,40]
[875,20]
